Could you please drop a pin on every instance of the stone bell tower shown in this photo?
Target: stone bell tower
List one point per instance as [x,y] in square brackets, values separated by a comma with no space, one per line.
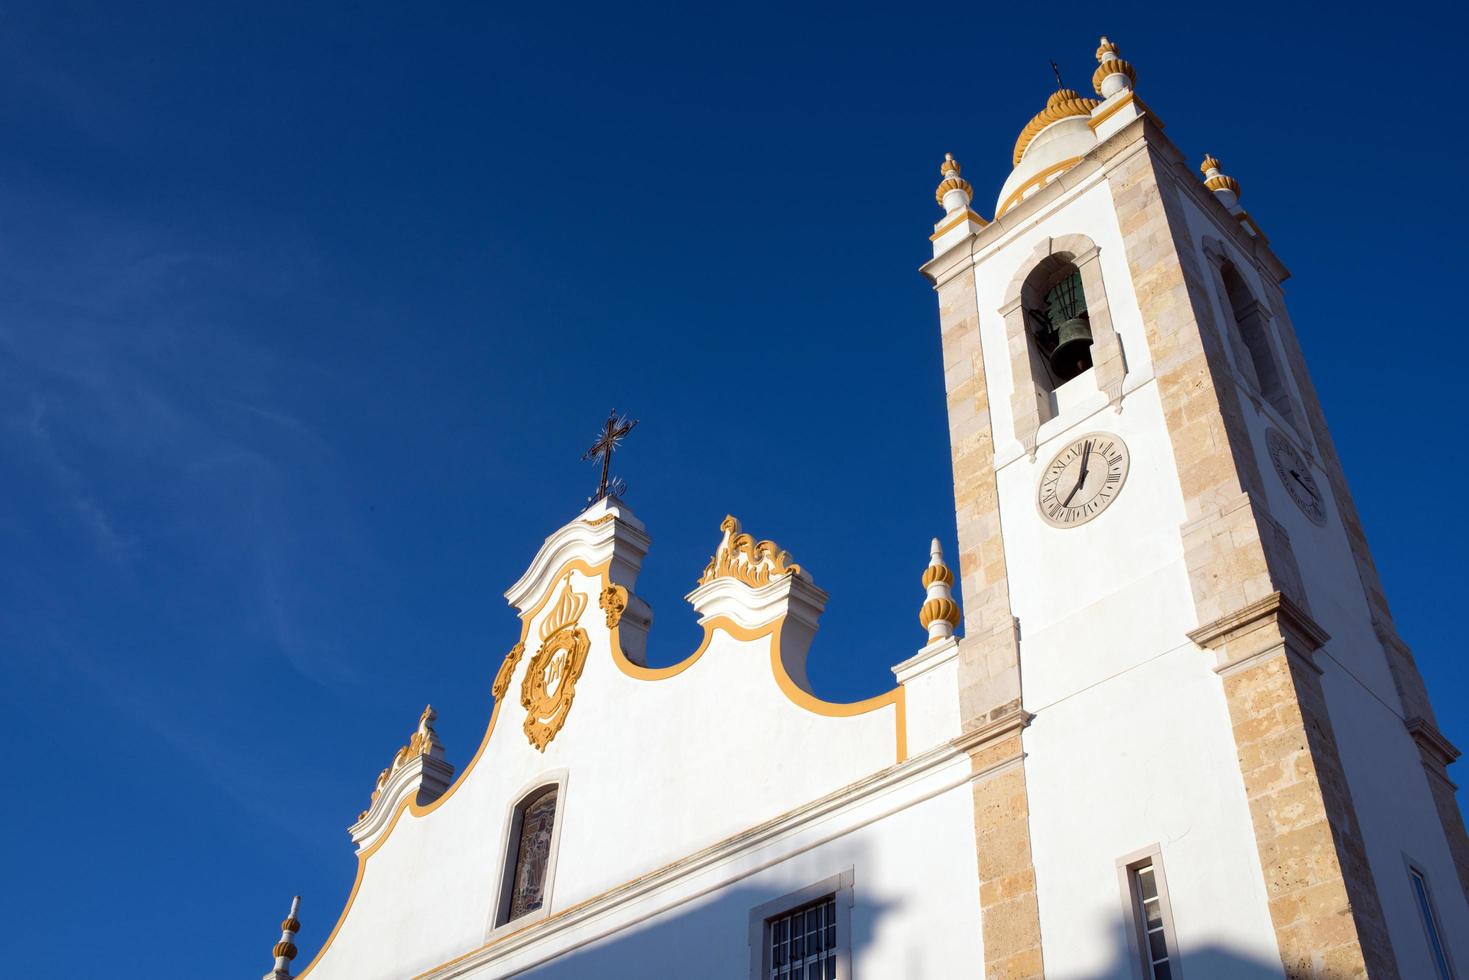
[1178,661]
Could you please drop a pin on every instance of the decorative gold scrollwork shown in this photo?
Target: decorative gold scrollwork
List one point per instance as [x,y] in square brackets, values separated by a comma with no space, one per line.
[614,601]
[550,678]
[506,671]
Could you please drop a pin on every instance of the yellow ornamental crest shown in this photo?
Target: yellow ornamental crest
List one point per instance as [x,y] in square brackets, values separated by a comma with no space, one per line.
[550,678]
[755,563]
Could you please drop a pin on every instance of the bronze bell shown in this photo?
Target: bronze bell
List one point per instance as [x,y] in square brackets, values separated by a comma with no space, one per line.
[1073,353]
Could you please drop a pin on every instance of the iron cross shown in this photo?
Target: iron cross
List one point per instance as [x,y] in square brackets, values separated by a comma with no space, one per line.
[612,433]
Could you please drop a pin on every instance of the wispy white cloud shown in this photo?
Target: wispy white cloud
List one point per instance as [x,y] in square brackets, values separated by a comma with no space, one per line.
[167,717]
[112,543]
[160,431]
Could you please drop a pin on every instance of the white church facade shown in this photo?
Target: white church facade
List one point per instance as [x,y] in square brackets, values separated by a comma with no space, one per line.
[1172,733]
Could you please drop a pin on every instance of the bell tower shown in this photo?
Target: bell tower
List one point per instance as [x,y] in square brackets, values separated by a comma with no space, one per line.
[1179,670]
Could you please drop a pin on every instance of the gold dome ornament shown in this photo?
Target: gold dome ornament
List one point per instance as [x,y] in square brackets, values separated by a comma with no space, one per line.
[1063,104]
[1113,74]
[945,194]
[940,613]
[1226,192]
[1217,181]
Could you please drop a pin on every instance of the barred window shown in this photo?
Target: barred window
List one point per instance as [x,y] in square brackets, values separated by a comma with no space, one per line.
[803,942]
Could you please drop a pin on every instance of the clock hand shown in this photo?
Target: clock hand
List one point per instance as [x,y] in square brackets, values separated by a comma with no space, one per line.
[1297,477]
[1086,452]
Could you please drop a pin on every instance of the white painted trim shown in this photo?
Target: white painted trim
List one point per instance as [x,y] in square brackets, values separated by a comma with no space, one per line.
[935,654]
[422,778]
[622,541]
[751,607]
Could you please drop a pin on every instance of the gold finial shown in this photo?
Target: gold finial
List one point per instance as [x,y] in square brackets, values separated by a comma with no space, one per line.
[1109,63]
[284,951]
[940,613]
[1215,180]
[952,182]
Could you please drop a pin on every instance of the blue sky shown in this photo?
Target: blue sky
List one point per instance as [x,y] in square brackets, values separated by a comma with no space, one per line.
[307,314]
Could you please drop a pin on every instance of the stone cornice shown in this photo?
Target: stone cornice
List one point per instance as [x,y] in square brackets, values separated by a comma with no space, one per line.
[1274,608]
[1262,628]
[1430,741]
[993,731]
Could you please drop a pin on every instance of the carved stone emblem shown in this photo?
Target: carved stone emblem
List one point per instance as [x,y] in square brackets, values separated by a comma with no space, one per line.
[551,676]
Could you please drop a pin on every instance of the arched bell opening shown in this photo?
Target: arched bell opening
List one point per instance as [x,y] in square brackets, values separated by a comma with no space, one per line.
[1058,325]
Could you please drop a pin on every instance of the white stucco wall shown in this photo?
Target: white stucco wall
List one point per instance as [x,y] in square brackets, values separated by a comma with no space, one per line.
[658,770]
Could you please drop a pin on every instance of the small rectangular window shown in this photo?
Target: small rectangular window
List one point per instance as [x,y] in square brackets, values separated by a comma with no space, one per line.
[1436,948]
[1145,893]
[804,935]
[803,942]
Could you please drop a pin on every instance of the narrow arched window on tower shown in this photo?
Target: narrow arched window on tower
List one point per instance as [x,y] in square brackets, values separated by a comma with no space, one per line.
[1059,326]
[1257,362]
[529,859]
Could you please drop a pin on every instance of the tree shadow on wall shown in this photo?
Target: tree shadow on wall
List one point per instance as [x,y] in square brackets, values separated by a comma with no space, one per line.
[708,937]
[1208,962]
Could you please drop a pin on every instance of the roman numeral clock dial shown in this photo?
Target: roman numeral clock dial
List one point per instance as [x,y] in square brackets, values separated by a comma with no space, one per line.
[1295,473]
[1082,480]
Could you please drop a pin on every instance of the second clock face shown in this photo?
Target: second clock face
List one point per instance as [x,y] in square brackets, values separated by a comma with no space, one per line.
[1082,480]
[1295,473]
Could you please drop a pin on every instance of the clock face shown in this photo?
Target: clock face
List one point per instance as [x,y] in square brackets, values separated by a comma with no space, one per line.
[1083,480]
[1295,473]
